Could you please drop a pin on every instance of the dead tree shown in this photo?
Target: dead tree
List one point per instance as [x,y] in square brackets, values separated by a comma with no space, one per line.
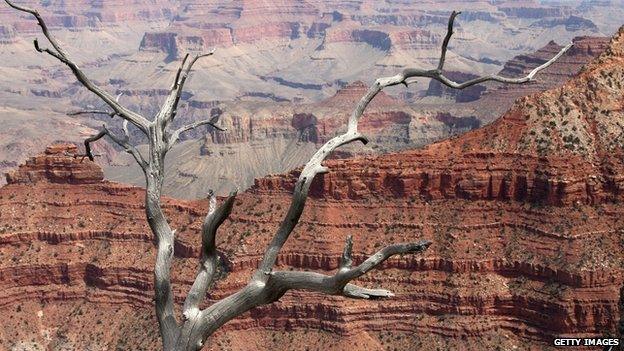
[266,285]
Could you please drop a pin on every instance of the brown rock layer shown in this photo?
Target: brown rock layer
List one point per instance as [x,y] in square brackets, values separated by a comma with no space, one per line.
[60,163]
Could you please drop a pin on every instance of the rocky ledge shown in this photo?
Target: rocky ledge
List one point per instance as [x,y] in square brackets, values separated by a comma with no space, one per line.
[60,163]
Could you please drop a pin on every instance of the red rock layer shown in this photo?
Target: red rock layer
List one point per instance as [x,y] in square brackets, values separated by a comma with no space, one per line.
[497,267]
[60,163]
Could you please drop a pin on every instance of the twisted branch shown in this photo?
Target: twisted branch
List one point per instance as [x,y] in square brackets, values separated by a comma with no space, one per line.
[123,142]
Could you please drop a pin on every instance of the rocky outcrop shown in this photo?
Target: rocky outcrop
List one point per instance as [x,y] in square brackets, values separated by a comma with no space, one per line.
[572,23]
[61,163]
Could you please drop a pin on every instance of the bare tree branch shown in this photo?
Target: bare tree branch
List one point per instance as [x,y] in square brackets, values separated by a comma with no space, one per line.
[346,261]
[124,127]
[123,142]
[176,82]
[447,38]
[60,55]
[94,112]
[209,259]
[257,292]
[338,284]
[169,109]
[176,134]
[97,112]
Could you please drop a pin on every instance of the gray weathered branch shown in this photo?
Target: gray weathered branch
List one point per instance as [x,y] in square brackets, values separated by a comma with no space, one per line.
[209,258]
[93,112]
[338,284]
[170,107]
[439,76]
[346,260]
[257,292]
[176,134]
[121,141]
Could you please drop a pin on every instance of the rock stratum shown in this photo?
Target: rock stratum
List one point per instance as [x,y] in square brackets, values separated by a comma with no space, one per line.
[61,163]
[525,215]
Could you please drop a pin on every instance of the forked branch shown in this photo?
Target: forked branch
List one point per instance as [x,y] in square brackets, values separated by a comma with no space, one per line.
[338,284]
[173,138]
[209,258]
[170,107]
[121,141]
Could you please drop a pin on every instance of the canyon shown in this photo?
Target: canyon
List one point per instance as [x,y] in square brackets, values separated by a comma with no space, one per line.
[265,138]
[272,61]
[524,214]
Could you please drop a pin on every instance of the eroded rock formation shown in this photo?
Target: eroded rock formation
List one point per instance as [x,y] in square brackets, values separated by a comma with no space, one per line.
[61,163]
